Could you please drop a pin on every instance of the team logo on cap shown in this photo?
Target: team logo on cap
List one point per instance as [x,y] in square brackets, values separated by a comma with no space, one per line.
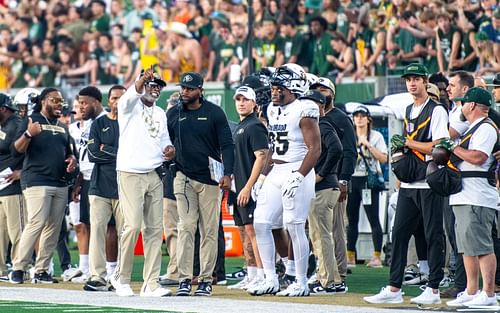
[187,78]
[413,68]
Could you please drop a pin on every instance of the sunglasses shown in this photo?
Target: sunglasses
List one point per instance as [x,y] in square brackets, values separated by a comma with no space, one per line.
[153,85]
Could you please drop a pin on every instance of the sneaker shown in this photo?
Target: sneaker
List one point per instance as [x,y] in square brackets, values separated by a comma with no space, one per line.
[385,296]
[242,284]
[340,288]
[204,289]
[16,277]
[254,283]
[157,293]
[71,273]
[82,279]
[286,280]
[427,297]
[462,297]
[295,290]
[238,275]
[266,287]
[420,279]
[375,262]
[4,278]
[164,281]
[184,288]
[316,289]
[221,282]
[312,279]
[445,282]
[43,278]
[122,290]
[410,274]
[95,285]
[351,261]
[450,293]
[482,299]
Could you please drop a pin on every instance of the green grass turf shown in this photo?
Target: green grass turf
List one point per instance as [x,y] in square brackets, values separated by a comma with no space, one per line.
[363,280]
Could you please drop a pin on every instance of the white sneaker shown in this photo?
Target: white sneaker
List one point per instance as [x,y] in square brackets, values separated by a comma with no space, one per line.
[385,296]
[158,292]
[242,284]
[462,297]
[254,283]
[81,279]
[427,297]
[482,299]
[295,290]
[267,286]
[122,290]
[312,279]
[71,273]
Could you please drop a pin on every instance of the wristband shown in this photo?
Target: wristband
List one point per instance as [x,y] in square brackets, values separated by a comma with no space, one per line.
[27,134]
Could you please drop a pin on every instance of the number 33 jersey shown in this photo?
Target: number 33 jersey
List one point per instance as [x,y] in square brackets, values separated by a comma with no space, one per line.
[285,135]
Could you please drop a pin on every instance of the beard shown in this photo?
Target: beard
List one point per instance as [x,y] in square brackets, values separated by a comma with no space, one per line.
[188,100]
[328,100]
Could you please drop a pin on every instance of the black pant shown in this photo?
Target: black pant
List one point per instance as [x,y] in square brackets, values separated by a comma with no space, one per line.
[353,202]
[412,205]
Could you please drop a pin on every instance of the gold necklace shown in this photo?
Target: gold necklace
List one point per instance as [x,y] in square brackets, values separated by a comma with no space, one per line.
[152,126]
[50,124]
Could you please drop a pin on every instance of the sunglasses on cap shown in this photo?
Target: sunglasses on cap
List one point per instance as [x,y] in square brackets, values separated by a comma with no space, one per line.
[152,84]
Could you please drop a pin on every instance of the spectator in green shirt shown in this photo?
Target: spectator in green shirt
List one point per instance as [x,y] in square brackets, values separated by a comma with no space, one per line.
[100,19]
[292,39]
[321,41]
[269,50]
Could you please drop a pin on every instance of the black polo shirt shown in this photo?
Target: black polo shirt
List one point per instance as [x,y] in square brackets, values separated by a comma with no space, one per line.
[331,153]
[104,131]
[8,132]
[249,136]
[44,161]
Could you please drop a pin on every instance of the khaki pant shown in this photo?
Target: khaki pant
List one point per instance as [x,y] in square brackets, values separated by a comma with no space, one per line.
[12,222]
[321,217]
[170,220]
[339,236]
[101,211]
[45,206]
[141,206]
[198,204]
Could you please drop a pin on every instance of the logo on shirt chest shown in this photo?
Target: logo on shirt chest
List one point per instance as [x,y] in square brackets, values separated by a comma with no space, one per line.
[2,135]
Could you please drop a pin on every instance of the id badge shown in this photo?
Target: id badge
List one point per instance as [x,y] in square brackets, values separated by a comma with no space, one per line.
[366,197]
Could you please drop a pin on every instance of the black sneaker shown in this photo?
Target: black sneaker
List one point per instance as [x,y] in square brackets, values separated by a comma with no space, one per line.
[95,285]
[43,278]
[316,289]
[238,275]
[184,288]
[204,289]
[16,277]
[286,281]
[339,288]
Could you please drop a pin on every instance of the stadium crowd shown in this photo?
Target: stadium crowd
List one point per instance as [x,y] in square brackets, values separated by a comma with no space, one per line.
[51,43]
[314,163]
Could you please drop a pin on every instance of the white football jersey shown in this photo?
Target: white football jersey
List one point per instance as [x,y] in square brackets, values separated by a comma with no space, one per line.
[284,130]
[86,166]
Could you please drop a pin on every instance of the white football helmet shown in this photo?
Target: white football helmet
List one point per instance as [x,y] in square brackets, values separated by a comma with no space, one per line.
[24,98]
[292,77]
[311,79]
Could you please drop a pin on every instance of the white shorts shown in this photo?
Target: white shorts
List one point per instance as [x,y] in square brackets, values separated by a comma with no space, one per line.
[273,208]
[74,213]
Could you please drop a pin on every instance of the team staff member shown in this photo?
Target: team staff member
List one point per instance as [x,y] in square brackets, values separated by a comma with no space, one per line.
[199,130]
[345,130]
[143,147]
[321,212]
[102,147]
[12,205]
[426,123]
[89,99]
[475,206]
[47,150]
[251,146]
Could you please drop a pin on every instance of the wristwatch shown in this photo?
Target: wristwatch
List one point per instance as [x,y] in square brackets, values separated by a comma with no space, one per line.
[27,135]
[343,182]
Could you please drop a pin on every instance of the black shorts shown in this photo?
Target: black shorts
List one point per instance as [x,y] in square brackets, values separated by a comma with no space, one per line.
[84,203]
[244,215]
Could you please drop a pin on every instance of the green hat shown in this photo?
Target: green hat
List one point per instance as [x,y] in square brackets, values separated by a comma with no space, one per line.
[482,36]
[415,69]
[478,95]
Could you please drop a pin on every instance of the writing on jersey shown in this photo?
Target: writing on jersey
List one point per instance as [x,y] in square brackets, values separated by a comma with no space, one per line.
[285,135]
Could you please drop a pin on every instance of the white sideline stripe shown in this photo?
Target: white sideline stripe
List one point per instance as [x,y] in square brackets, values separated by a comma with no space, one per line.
[179,304]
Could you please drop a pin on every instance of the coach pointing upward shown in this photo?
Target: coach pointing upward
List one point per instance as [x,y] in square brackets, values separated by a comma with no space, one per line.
[144,144]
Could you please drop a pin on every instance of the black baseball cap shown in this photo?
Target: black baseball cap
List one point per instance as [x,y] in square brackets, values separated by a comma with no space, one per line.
[191,80]
[315,96]
[362,110]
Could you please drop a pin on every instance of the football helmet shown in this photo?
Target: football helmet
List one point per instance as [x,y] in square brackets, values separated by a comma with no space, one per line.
[24,99]
[311,79]
[292,77]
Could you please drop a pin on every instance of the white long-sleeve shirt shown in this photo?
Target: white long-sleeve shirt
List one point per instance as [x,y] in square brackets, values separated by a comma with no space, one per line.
[143,134]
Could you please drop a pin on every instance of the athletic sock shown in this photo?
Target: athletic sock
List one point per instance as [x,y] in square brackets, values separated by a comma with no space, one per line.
[84,263]
[252,272]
